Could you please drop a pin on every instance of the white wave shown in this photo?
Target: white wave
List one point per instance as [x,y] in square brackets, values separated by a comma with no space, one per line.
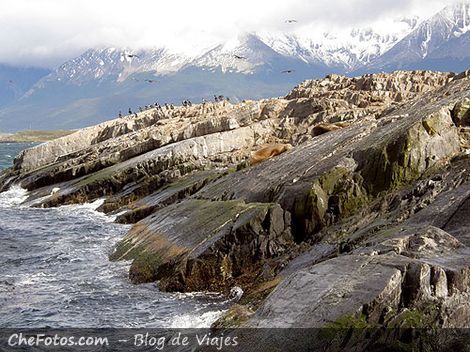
[16,196]
[93,205]
[115,216]
[200,294]
[13,197]
[204,320]
[87,209]
[37,202]
[34,279]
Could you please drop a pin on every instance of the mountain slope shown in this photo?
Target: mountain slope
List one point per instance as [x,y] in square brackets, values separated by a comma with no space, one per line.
[440,42]
[15,81]
[347,50]
[99,83]
[113,64]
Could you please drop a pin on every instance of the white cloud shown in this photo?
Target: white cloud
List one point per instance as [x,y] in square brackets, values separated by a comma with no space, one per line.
[47,32]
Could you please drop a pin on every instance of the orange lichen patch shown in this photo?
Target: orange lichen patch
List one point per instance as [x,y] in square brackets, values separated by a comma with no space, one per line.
[155,243]
[141,236]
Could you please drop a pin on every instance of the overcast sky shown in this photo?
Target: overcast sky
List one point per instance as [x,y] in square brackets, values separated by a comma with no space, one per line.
[47,32]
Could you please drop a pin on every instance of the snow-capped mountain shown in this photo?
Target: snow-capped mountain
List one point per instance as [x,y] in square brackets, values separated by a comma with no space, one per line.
[116,64]
[241,54]
[100,82]
[443,37]
[345,49]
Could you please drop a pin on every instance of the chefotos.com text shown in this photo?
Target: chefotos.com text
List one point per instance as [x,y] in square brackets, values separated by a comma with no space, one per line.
[56,340]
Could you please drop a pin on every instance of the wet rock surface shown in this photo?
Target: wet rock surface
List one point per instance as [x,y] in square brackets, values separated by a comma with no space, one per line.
[363,222]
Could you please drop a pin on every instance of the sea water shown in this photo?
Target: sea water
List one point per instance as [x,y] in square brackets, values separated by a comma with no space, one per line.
[55,271]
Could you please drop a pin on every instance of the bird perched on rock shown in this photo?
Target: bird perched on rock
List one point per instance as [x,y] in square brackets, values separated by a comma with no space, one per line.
[235,293]
[132,55]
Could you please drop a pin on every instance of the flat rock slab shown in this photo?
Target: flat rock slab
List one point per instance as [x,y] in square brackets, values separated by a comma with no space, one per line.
[292,169]
[194,151]
[323,293]
[359,291]
[171,193]
[318,253]
[181,242]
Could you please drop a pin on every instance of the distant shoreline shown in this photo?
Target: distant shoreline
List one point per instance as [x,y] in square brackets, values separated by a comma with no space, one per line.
[33,136]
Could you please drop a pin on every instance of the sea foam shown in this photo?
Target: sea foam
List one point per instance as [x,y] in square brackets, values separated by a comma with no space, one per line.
[13,197]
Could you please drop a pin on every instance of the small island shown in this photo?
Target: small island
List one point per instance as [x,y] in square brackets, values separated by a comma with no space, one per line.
[32,136]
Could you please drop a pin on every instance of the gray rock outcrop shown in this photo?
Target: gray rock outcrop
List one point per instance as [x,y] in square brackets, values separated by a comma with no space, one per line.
[363,223]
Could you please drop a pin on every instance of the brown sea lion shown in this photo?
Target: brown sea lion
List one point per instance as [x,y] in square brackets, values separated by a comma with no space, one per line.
[268,152]
[327,127]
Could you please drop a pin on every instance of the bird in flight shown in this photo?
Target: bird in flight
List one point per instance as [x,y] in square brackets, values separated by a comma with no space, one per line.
[291,21]
[132,55]
[144,80]
[287,71]
[239,57]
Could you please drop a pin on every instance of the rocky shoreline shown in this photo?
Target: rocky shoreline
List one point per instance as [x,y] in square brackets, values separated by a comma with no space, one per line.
[363,223]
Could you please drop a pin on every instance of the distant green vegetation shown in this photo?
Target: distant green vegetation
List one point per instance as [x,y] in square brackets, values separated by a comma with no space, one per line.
[33,136]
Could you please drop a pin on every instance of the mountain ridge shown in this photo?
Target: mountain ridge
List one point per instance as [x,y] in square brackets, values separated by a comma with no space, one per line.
[425,42]
[100,82]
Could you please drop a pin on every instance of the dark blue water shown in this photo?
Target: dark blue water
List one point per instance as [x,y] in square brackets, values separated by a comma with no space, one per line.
[8,151]
[55,272]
